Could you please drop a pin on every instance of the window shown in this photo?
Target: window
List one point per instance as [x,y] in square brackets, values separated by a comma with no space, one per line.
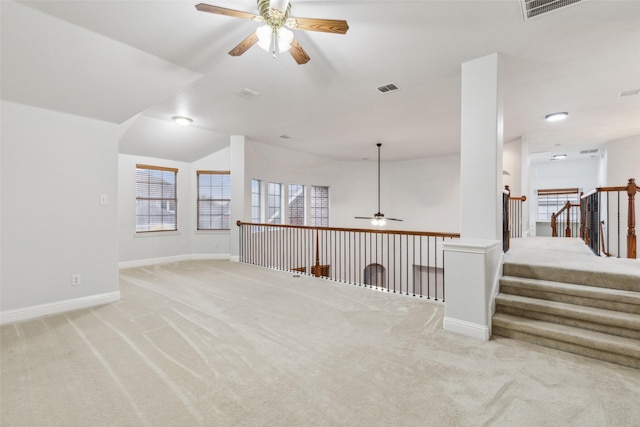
[319,206]
[156,198]
[274,205]
[296,204]
[214,200]
[256,201]
[551,201]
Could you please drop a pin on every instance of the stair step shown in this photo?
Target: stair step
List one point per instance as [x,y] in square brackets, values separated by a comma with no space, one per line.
[622,281]
[596,319]
[607,298]
[615,349]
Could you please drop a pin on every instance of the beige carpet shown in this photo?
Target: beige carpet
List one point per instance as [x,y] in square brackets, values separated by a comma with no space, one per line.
[213,343]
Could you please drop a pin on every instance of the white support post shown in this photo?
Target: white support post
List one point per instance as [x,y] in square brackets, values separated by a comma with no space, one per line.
[473,263]
[239,192]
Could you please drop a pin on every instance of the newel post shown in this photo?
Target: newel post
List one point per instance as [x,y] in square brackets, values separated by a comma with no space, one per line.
[317,269]
[632,188]
[506,221]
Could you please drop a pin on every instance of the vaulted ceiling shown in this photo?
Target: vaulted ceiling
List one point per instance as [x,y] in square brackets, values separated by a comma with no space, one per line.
[138,63]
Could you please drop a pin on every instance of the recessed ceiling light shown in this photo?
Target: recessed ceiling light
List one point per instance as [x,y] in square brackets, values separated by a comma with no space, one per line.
[554,117]
[559,157]
[182,121]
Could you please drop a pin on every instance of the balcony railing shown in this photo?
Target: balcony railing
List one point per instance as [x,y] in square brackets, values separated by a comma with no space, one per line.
[405,262]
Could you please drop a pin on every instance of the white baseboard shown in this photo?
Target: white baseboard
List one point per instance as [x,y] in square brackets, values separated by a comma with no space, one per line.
[469,329]
[235,258]
[175,258]
[27,313]
[223,257]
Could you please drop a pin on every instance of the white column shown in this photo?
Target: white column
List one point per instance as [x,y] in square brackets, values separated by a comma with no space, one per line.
[240,191]
[525,189]
[481,149]
[473,263]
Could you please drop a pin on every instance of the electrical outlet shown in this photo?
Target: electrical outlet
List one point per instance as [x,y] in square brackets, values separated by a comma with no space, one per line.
[104,200]
[75,279]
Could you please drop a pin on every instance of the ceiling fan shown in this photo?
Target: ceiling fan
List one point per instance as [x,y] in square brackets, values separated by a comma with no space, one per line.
[378,217]
[275,36]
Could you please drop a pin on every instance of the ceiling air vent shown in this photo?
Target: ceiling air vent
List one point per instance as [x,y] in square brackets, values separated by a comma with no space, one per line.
[247,93]
[533,8]
[629,93]
[590,152]
[391,87]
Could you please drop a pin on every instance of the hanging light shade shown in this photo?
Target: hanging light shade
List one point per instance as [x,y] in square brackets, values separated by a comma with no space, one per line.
[283,36]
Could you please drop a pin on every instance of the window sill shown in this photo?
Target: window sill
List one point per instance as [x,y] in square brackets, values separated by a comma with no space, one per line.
[157,233]
[222,231]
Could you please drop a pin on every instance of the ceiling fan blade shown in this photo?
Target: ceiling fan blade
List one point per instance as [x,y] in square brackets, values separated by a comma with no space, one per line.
[363,217]
[298,53]
[244,45]
[203,7]
[337,26]
[392,219]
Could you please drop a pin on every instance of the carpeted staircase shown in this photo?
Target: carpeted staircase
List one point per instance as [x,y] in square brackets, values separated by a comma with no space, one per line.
[593,314]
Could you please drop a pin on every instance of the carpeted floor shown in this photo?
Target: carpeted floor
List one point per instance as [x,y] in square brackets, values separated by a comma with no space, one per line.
[213,343]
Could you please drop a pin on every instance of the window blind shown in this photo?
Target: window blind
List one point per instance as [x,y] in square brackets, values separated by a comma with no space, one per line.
[156,198]
[214,200]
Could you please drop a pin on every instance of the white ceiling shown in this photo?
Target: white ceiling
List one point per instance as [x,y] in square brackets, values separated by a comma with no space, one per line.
[141,62]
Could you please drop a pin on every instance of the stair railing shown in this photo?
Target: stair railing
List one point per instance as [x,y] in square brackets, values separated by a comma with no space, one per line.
[506,236]
[601,216]
[511,217]
[407,262]
[570,227]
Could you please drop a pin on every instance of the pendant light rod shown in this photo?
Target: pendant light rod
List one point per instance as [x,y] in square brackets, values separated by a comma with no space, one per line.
[379,144]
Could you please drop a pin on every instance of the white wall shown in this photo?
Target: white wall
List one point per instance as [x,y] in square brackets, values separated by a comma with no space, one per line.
[623,161]
[54,168]
[511,162]
[144,248]
[424,193]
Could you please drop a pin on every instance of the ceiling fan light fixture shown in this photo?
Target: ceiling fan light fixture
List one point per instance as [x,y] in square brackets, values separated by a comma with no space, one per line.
[378,222]
[274,40]
[182,121]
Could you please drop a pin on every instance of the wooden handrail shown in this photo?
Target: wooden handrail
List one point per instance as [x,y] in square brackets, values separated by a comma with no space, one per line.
[566,206]
[353,230]
[554,219]
[612,188]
